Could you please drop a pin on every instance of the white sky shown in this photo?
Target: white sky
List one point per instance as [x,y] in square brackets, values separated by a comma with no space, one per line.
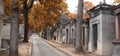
[73,3]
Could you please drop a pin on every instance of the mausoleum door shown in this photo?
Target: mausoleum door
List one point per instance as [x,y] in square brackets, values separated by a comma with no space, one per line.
[67,35]
[83,36]
[95,36]
[119,26]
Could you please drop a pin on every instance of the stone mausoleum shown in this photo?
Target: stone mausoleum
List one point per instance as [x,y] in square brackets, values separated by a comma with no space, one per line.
[1,18]
[66,30]
[116,42]
[101,30]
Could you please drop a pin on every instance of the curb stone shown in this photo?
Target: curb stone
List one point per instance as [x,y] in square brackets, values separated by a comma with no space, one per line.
[30,53]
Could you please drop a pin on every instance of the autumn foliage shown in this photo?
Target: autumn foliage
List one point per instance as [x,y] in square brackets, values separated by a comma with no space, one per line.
[45,13]
[87,5]
[72,15]
[7,6]
[117,1]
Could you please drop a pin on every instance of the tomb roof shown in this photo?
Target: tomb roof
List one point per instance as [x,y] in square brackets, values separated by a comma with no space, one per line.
[117,9]
[101,7]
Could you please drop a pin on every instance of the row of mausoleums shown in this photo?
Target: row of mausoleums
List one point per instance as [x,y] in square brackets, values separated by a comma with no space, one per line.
[99,33]
[5,28]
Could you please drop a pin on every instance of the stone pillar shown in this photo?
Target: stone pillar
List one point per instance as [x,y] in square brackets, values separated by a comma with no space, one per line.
[72,32]
[74,36]
[57,35]
[66,33]
[86,37]
[0,42]
[90,48]
[116,42]
[117,28]
[1,22]
[99,41]
[116,51]
[60,35]
[69,31]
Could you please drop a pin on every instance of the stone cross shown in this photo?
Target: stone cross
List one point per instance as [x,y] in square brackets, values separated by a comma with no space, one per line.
[104,1]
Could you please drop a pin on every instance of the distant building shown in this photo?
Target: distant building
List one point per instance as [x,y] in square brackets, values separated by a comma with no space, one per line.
[1,18]
[5,32]
[65,32]
[60,26]
[5,27]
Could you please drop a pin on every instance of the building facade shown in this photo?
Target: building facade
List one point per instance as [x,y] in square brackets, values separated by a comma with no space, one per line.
[1,18]
[65,32]
[101,29]
[116,41]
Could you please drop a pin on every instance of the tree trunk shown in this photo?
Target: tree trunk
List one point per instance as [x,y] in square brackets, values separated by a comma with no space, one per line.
[26,9]
[78,46]
[25,26]
[14,33]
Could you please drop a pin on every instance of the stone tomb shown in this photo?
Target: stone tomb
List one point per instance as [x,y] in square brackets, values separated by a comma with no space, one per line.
[116,42]
[102,30]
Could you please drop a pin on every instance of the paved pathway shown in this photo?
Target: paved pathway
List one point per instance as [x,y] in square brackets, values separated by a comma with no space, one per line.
[41,48]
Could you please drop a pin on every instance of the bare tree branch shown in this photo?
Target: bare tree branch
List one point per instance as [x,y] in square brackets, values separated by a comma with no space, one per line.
[31,4]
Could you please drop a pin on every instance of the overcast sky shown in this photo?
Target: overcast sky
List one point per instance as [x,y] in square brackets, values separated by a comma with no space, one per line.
[73,3]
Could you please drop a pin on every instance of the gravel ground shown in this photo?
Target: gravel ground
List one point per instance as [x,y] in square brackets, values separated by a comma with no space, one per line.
[24,50]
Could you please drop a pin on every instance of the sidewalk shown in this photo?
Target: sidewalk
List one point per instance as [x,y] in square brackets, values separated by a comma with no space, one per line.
[23,49]
[67,49]
[64,48]
[4,53]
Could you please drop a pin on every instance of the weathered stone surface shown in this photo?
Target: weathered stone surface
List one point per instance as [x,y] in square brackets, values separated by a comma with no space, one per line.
[66,29]
[5,32]
[21,29]
[105,31]
[116,51]
[1,17]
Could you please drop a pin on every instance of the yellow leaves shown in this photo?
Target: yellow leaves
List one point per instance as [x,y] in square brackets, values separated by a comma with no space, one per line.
[116,2]
[21,19]
[7,4]
[85,16]
[87,5]
[72,16]
[46,13]
[35,17]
